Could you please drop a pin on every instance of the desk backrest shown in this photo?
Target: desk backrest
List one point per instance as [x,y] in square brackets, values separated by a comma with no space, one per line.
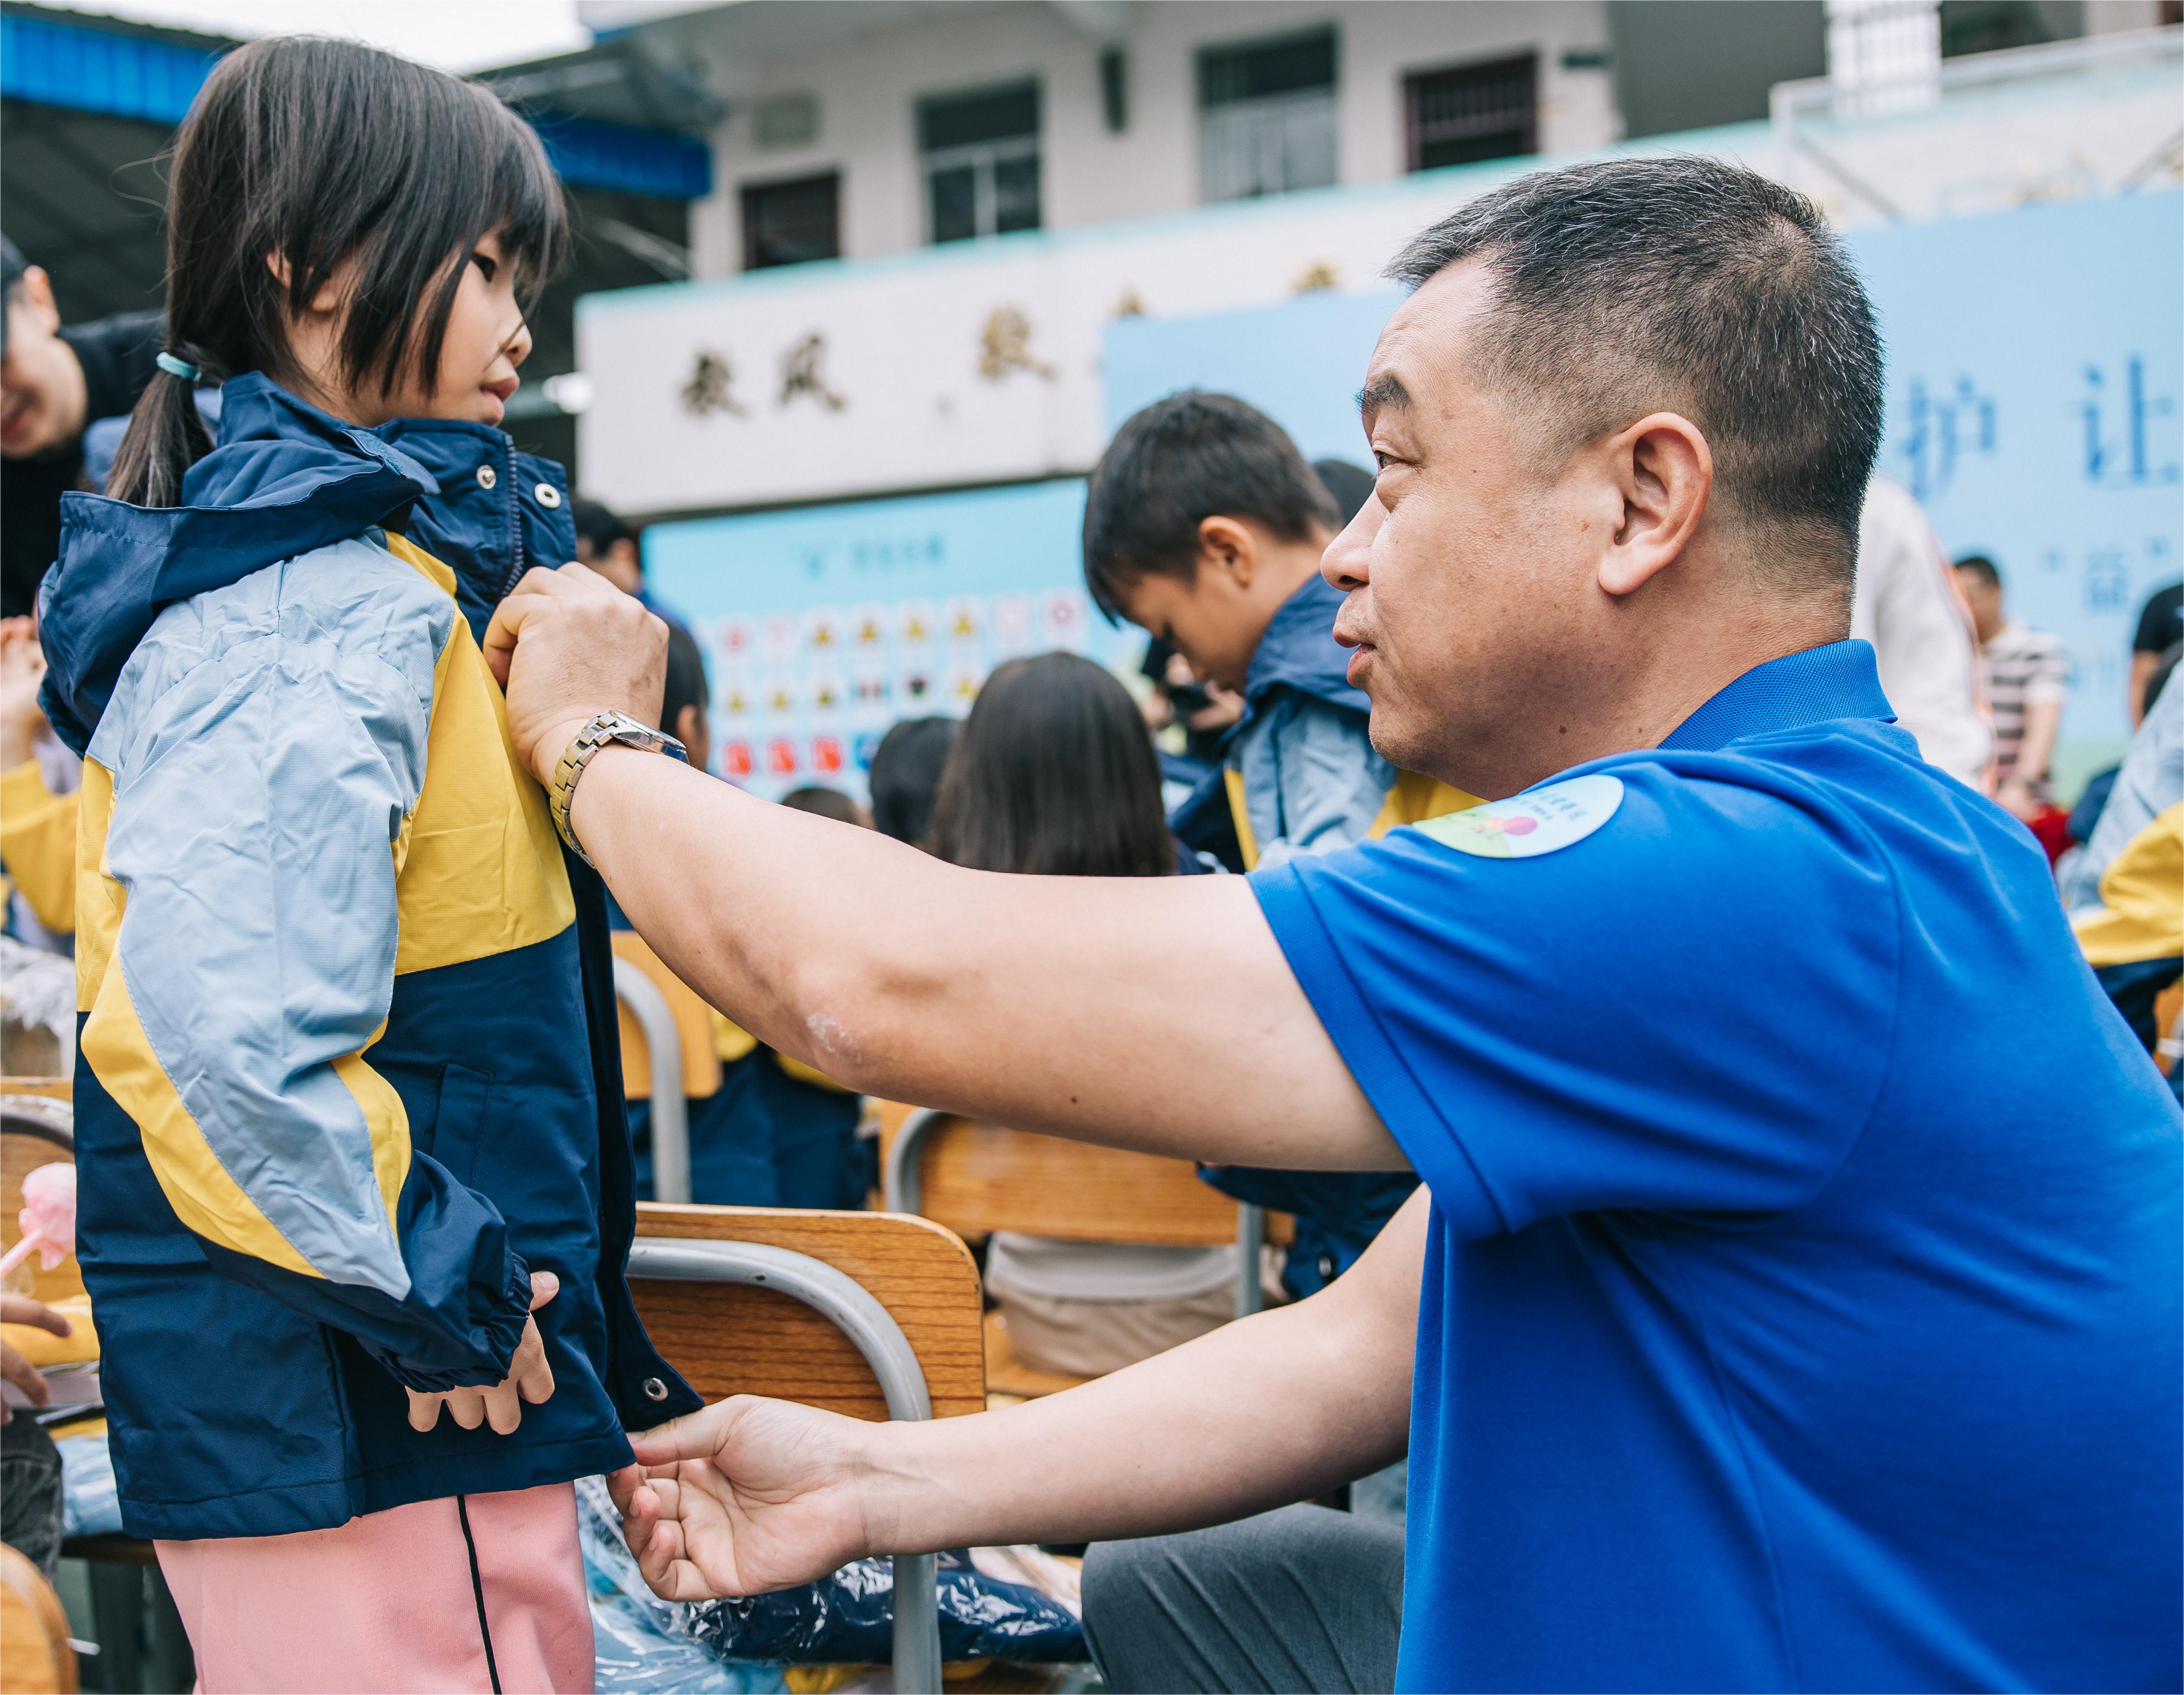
[731,1339]
[977,1178]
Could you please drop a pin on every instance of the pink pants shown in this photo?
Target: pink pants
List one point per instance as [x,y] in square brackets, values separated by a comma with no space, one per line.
[385,1603]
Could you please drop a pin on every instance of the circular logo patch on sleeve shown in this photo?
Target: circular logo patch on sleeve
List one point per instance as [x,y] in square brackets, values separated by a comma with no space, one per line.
[1526,825]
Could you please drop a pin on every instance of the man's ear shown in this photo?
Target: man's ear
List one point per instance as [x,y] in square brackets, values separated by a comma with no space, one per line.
[1229,547]
[1663,470]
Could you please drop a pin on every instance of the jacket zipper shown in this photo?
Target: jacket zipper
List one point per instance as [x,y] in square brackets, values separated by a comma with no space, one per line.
[514,519]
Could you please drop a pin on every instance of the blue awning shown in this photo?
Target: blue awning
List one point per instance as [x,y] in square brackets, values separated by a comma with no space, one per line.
[59,63]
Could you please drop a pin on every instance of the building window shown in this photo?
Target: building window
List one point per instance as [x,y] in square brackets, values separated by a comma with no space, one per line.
[981,161]
[1114,90]
[1266,116]
[791,223]
[1474,112]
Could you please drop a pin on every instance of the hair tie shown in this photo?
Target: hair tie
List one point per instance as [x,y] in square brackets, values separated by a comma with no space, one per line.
[175,365]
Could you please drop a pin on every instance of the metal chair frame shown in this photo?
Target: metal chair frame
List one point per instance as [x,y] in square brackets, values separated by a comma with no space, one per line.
[903,1192]
[670,1108]
[851,1310]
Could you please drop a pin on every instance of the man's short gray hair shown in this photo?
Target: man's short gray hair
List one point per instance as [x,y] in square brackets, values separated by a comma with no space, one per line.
[1693,286]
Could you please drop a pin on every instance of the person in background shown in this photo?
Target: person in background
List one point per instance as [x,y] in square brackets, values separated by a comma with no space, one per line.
[38,779]
[2125,889]
[30,1464]
[1054,775]
[826,802]
[2161,628]
[906,770]
[1907,605]
[764,1129]
[1203,525]
[614,547]
[54,380]
[2027,677]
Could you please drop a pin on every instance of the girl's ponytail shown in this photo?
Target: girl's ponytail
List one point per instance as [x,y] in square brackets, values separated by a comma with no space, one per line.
[164,438]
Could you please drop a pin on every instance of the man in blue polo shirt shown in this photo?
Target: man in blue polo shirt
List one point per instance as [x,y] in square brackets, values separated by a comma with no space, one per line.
[1793,1299]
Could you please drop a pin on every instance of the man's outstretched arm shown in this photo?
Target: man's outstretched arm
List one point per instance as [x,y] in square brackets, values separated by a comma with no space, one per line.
[1154,1013]
[752,1495]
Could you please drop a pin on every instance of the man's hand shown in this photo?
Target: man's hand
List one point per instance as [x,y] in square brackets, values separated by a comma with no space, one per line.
[568,645]
[22,669]
[21,1309]
[747,1495]
[530,1378]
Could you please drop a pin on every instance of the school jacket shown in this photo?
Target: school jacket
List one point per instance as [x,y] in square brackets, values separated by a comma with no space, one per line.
[1299,775]
[1298,772]
[348,1065]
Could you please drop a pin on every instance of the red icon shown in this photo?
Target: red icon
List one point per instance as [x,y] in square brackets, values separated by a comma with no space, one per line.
[735,759]
[825,754]
[781,757]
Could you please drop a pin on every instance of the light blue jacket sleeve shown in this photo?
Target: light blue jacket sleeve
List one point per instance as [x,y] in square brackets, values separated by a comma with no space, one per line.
[267,742]
[1312,781]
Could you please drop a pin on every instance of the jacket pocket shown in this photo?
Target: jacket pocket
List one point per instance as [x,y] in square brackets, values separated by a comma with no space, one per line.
[458,1121]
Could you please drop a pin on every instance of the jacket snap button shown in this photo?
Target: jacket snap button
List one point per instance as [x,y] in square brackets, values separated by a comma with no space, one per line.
[548,496]
[487,476]
[655,1389]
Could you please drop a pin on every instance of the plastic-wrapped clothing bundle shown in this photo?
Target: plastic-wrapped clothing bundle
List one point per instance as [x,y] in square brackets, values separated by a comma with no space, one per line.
[845,1619]
[639,1640]
[849,1618]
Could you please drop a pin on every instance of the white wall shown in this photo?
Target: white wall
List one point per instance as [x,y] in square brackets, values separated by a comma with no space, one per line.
[867,86]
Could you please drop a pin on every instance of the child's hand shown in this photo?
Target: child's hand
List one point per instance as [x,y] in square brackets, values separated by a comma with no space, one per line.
[530,1378]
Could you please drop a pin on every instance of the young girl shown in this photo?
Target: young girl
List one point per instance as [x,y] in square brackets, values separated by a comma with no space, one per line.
[1053,774]
[355,1182]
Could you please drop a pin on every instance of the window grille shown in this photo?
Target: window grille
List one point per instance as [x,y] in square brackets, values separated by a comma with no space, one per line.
[981,153]
[1266,121]
[1474,112]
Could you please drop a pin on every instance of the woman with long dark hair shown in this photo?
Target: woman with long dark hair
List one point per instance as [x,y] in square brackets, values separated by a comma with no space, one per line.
[1053,774]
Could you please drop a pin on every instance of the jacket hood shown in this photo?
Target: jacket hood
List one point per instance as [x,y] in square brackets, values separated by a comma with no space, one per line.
[285,479]
[1299,651]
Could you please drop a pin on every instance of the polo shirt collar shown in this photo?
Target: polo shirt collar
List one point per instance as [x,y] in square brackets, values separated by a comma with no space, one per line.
[1838,681]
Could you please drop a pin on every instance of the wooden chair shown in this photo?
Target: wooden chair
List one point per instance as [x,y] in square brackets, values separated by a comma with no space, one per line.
[867,1313]
[36,1658]
[979,1178]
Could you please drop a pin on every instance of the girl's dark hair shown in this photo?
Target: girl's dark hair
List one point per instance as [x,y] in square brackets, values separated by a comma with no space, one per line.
[1054,774]
[315,152]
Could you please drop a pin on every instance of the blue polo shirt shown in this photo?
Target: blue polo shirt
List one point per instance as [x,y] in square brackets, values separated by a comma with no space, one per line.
[1801,1306]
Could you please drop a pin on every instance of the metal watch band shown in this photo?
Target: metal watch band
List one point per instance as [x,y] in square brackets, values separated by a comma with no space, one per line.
[604,730]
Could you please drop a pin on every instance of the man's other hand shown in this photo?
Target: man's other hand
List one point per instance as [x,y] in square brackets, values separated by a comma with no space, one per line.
[530,1378]
[747,1495]
[568,645]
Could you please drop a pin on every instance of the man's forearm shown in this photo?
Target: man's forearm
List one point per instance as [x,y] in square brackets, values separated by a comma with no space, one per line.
[1047,1003]
[1277,1409]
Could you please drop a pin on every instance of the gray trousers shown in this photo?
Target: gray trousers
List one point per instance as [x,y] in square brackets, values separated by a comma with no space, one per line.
[1301,1600]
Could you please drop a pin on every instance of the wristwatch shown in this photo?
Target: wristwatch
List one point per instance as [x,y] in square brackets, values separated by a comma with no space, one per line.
[603,732]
